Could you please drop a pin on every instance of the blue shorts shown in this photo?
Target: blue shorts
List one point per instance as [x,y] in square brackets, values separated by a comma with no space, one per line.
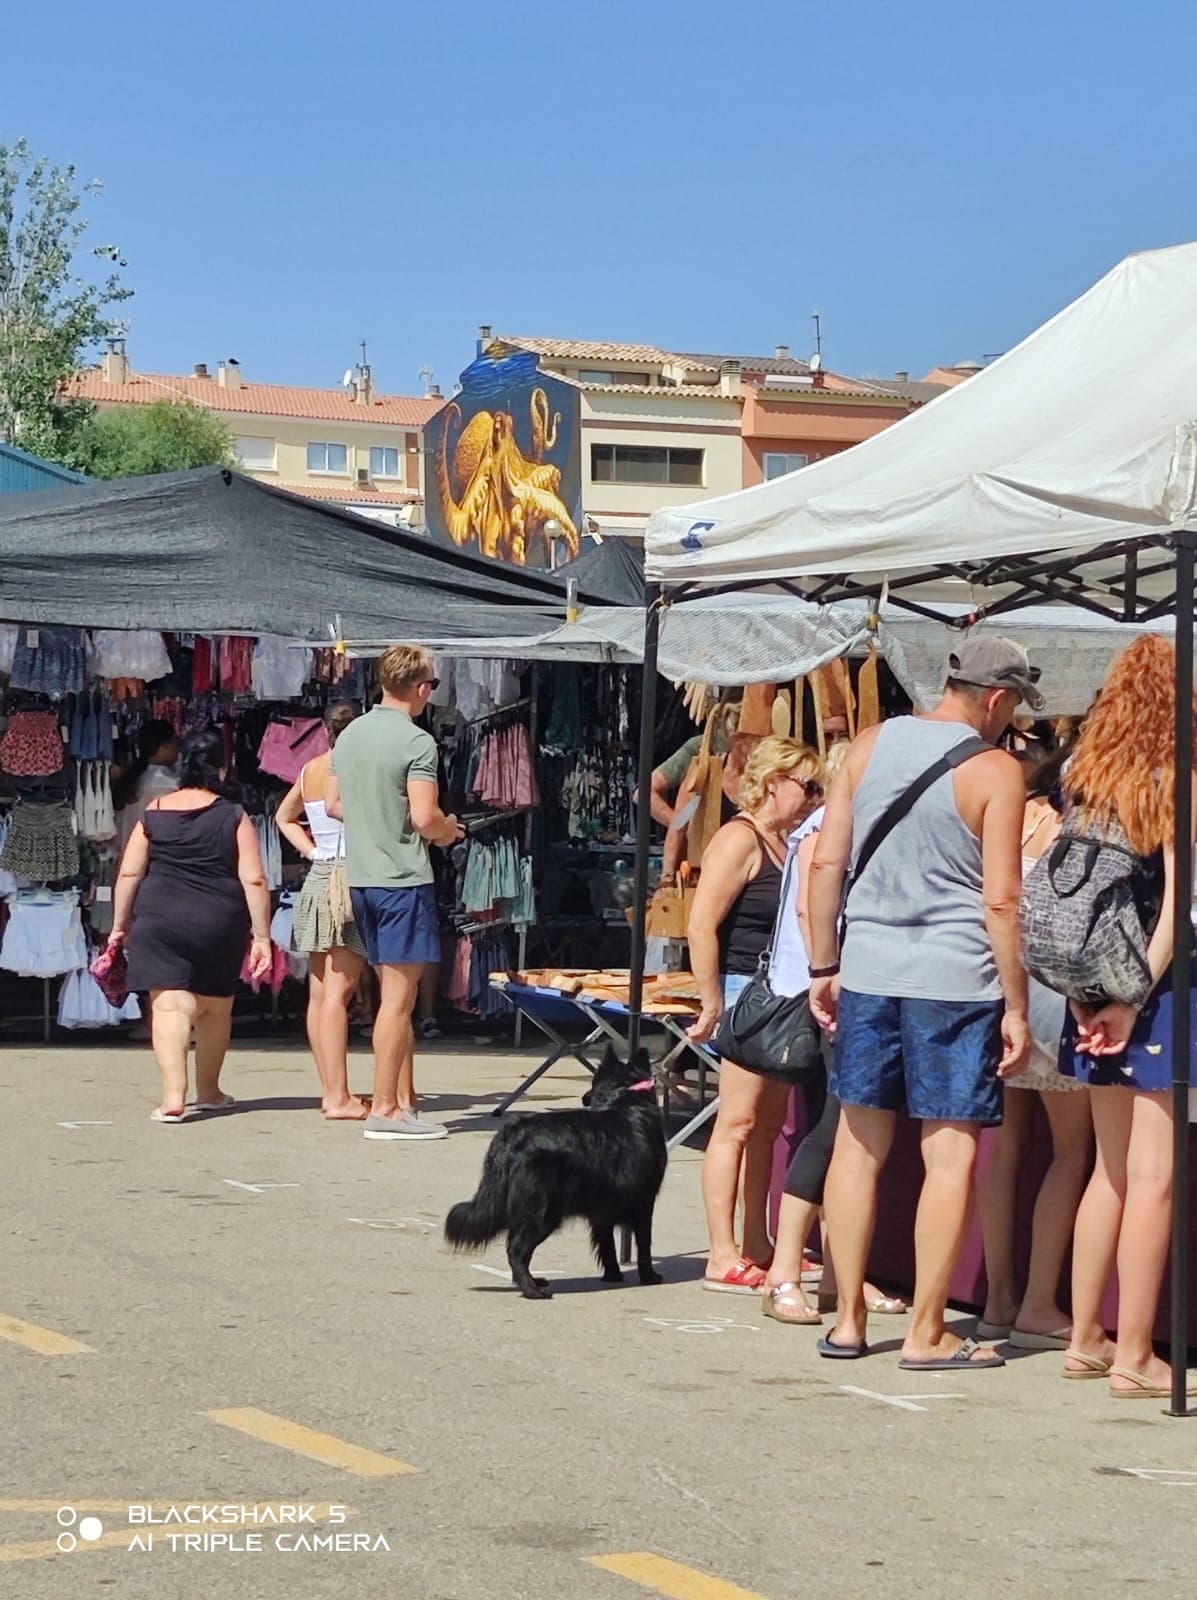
[399,927]
[939,1058]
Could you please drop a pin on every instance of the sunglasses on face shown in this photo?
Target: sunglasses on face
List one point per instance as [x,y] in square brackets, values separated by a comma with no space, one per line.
[433,683]
[811,787]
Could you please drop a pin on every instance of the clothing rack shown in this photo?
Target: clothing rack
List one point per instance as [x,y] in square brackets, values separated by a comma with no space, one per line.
[527,703]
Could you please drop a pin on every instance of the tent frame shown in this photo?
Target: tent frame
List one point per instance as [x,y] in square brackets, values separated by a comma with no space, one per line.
[1108,579]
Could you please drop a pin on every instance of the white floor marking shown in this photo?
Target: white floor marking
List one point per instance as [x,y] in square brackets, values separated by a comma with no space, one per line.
[1169,1477]
[701,1325]
[258,1188]
[77,1125]
[401,1223]
[905,1402]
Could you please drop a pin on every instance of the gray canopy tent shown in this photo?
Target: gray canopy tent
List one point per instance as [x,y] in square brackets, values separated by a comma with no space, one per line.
[211,551]
[1065,474]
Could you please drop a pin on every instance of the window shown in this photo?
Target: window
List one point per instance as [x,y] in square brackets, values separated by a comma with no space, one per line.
[324,457]
[628,463]
[384,461]
[639,378]
[778,464]
[255,454]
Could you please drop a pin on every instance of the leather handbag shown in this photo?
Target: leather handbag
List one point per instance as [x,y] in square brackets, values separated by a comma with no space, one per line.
[765,1032]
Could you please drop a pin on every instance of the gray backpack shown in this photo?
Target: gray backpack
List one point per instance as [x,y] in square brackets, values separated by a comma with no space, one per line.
[1088,905]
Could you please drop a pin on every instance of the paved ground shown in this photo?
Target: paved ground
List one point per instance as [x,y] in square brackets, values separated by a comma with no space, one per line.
[664,1426]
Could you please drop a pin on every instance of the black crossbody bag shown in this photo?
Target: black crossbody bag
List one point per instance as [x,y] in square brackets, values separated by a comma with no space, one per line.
[774,1034]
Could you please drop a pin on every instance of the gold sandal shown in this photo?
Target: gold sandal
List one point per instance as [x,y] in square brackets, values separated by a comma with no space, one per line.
[1091,1366]
[789,1295]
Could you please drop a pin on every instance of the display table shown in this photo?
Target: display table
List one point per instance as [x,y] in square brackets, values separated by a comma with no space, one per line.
[892,1260]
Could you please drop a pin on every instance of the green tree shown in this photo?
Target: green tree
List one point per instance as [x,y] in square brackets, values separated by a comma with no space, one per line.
[167,436]
[53,310]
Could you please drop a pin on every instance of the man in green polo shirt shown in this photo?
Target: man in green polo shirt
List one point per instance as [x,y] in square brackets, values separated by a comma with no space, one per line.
[383,783]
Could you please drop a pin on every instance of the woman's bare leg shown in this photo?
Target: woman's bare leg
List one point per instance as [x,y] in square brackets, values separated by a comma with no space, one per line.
[342,970]
[757,1168]
[1071,1121]
[1146,1230]
[316,964]
[172,1013]
[739,1100]
[1099,1221]
[213,1024]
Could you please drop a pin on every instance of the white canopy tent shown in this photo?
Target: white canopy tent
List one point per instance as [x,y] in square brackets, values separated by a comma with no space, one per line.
[1083,435]
[1066,472]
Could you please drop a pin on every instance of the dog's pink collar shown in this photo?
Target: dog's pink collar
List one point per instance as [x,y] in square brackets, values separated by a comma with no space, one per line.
[645,1083]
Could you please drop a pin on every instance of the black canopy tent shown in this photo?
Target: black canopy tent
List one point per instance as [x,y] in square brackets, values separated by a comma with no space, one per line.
[1026,486]
[212,551]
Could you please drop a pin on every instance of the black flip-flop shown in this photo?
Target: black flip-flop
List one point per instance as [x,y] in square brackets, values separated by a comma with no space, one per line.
[962,1361]
[841,1352]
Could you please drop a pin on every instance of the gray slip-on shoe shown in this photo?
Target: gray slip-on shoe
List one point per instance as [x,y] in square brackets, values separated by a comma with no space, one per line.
[411,1125]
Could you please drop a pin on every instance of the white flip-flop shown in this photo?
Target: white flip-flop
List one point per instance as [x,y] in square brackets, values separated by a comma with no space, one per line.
[158,1115]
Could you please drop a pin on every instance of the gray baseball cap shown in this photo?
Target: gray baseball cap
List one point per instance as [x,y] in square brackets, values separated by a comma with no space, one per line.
[991,662]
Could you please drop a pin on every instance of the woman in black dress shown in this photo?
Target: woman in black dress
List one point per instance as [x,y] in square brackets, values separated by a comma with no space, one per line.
[191,889]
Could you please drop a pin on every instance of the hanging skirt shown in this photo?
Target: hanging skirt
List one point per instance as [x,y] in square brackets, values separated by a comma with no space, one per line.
[41,843]
[323,918]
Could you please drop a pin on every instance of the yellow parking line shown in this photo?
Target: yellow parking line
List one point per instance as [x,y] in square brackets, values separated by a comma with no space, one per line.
[42,1340]
[333,1452]
[670,1578]
[39,1549]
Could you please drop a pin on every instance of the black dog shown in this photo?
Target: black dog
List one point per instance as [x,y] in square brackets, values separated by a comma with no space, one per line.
[605,1164]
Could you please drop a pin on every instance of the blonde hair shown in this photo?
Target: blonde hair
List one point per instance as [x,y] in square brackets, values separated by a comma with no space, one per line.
[403,667]
[775,758]
[834,759]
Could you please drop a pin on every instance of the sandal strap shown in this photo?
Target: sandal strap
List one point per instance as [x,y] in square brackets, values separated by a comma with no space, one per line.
[786,1288]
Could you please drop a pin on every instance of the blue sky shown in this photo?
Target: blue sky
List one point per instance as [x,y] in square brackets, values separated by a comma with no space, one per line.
[285,179]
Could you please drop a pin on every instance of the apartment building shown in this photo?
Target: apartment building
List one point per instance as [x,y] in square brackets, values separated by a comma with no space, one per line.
[352,446]
[661,427]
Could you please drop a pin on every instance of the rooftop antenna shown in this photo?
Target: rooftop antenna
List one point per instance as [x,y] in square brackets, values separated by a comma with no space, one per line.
[815,318]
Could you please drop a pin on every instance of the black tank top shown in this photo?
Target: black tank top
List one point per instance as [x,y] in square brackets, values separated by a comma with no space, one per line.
[745,931]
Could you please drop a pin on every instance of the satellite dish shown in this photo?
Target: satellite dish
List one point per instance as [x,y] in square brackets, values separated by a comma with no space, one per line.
[816,363]
[348,378]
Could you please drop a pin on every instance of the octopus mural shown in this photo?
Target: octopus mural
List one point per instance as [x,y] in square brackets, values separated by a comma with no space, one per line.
[488,492]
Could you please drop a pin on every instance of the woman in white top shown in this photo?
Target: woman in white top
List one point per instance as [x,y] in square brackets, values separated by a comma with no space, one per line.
[802,1199]
[153,772]
[324,925]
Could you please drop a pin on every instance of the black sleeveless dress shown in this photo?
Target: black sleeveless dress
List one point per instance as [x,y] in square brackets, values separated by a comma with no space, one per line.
[190,920]
[747,928]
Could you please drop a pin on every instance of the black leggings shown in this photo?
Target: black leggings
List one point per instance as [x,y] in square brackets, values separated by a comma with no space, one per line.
[808,1168]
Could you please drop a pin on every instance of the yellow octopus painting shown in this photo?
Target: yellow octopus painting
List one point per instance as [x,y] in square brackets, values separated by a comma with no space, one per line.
[492,493]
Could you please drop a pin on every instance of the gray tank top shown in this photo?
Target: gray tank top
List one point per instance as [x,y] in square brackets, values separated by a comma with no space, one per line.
[916,920]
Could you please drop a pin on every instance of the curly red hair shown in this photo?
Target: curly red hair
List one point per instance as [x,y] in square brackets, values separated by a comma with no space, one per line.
[1125,761]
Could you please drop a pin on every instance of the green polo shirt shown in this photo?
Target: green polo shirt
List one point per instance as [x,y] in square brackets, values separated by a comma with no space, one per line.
[374,759]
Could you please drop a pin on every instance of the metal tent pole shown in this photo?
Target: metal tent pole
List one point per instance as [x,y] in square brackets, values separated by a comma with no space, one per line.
[648,718]
[1182,972]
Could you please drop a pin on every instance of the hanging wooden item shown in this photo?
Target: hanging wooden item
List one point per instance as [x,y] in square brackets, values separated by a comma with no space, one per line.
[705,780]
[870,694]
[818,694]
[756,708]
[782,712]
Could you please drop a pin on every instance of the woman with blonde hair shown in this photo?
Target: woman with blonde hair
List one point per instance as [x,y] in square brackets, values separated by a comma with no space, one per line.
[802,1197]
[731,923]
[1122,781]
[324,925]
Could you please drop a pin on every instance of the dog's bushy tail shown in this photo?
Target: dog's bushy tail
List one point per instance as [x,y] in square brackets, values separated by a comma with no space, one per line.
[471,1224]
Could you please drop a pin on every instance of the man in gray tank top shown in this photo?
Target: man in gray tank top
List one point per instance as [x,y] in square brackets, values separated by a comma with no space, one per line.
[928,997]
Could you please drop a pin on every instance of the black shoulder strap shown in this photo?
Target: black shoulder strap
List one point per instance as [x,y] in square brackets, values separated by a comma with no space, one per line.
[897,809]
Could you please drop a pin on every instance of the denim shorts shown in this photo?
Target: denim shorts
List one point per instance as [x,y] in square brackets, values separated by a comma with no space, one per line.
[938,1058]
[399,927]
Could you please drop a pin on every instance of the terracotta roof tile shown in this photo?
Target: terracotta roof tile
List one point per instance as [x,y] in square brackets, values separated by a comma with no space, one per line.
[351,494]
[258,399]
[583,349]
